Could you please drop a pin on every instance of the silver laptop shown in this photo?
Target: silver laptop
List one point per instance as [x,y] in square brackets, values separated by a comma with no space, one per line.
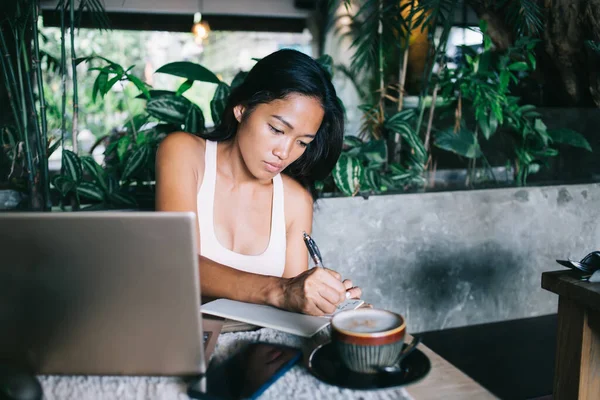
[106,293]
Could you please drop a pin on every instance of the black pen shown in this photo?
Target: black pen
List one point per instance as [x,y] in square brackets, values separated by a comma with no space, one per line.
[315,254]
[313,250]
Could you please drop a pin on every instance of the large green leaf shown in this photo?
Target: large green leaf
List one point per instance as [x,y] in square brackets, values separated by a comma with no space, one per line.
[194,120]
[569,137]
[189,70]
[169,108]
[347,174]
[463,142]
[136,162]
[90,190]
[71,165]
[219,102]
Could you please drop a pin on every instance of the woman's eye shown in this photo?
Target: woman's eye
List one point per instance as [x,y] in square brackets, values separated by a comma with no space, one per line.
[301,143]
[275,130]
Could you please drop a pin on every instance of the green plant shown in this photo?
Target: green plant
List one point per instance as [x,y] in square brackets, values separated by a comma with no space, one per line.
[380,31]
[24,136]
[25,140]
[478,94]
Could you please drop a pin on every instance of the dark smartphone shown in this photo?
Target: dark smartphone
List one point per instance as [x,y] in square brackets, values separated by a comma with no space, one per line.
[247,374]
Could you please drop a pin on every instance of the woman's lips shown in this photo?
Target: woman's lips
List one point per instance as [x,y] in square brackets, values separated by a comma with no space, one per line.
[273,168]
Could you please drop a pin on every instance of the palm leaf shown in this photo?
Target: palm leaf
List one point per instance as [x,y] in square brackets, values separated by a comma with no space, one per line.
[432,12]
[364,32]
[525,16]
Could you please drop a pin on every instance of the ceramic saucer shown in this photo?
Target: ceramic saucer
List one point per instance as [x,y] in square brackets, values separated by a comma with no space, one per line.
[327,367]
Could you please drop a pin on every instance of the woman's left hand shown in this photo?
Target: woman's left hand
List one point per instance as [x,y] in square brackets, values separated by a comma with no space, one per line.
[354,291]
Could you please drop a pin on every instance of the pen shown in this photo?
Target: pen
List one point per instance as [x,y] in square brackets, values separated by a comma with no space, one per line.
[315,254]
[313,250]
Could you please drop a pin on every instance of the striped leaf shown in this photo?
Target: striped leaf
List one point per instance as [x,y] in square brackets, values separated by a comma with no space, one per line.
[71,165]
[194,120]
[351,142]
[113,184]
[169,108]
[219,102]
[123,199]
[95,170]
[371,179]
[90,191]
[136,161]
[63,184]
[347,174]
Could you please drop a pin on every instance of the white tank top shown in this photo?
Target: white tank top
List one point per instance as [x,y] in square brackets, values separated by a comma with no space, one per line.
[272,260]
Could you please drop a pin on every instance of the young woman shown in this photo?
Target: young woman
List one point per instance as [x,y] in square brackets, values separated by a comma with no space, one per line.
[252,187]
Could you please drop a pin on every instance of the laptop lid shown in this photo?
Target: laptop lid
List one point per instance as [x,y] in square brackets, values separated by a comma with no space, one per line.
[101,293]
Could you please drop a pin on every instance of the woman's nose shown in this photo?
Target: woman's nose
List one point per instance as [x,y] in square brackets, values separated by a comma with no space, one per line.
[282,150]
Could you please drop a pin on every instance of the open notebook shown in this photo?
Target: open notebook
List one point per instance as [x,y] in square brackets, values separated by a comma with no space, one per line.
[271,317]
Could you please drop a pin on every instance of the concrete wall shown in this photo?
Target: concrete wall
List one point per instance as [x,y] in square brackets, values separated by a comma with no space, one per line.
[452,259]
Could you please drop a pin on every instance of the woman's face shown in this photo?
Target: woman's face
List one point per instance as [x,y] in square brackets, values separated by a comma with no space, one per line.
[276,134]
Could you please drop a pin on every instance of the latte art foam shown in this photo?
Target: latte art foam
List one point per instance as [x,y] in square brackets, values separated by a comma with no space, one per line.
[367,321]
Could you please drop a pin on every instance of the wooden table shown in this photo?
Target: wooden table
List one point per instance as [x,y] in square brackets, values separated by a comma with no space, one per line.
[445,381]
[577,368]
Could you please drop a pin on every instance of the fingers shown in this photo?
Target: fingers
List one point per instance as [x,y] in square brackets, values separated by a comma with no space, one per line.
[347,284]
[355,293]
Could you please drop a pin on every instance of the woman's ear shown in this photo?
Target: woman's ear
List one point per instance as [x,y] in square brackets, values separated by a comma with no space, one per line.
[238,112]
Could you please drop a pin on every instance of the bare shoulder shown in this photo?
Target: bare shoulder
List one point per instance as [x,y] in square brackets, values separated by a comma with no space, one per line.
[181,153]
[182,144]
[298,200]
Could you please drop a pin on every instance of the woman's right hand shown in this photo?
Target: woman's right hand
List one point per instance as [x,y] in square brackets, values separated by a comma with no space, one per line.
[316,291]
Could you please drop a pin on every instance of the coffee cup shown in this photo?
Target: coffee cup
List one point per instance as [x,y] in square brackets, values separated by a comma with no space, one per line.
[367,340]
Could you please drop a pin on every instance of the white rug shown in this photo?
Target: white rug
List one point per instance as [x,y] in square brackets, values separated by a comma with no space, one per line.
[295,384]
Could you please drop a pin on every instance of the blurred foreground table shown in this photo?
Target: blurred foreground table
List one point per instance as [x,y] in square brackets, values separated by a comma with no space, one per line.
[577,369]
